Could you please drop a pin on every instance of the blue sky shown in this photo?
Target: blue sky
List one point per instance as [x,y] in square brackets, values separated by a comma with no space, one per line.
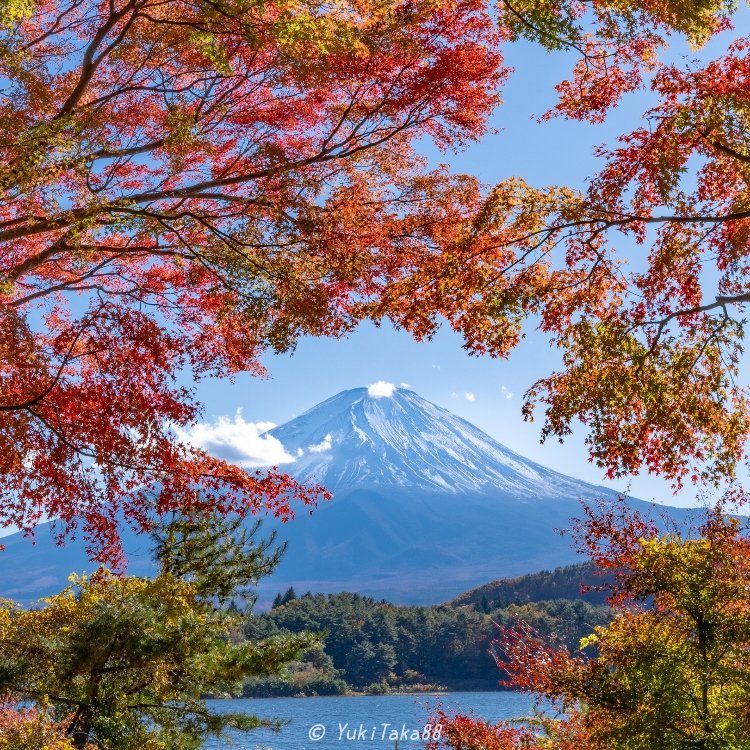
[486,392]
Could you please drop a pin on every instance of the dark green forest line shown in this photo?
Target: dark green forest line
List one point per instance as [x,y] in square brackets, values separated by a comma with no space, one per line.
[376,647]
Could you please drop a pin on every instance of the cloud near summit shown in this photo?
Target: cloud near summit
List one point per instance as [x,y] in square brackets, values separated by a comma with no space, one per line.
[237,441]
[381,389]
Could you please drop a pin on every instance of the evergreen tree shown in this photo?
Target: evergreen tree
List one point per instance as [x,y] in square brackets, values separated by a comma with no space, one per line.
[219,555]
[289,596]
[124,662]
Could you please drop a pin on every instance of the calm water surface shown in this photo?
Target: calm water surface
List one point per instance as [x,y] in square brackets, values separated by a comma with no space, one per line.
[360,722]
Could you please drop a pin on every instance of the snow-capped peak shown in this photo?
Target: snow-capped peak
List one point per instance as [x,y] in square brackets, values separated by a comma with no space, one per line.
[365,437]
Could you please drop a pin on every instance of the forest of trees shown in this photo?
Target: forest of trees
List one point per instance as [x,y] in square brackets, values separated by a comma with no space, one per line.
[376,646]
[561,583]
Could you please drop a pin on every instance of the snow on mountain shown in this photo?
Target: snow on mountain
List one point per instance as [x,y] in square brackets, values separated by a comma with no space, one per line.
[356,439]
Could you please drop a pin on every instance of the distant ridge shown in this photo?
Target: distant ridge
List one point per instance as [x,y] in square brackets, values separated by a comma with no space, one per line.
[561,583]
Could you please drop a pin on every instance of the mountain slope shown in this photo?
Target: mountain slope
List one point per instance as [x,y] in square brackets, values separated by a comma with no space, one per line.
[31,569]
[419,547]
[356,440]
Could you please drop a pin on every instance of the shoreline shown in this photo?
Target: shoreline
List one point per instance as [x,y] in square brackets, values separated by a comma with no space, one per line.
[354,694]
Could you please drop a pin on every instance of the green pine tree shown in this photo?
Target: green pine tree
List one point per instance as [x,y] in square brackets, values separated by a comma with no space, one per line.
[125,662]
[221,557]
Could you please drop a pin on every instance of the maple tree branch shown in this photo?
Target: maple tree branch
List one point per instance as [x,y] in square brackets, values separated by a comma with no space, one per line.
[721,301]
[91,62]
[53,29]
[33,262]
[559,40]
[105,153]
[723,148]
[114,254]
[34,400]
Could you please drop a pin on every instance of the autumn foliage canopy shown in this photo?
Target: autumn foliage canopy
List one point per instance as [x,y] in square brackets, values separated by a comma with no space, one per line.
[641,278]
[186,184]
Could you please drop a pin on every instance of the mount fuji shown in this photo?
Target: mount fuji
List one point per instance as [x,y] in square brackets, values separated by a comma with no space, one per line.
[425,506]
[357,439]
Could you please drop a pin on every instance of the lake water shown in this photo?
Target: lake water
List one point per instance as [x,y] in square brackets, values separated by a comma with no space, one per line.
[360,722]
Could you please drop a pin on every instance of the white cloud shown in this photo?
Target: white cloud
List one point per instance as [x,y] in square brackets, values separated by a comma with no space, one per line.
[237,441]
[321,447]
[469,396]
[435,367]
[508,394]
[381,389]
[404,385]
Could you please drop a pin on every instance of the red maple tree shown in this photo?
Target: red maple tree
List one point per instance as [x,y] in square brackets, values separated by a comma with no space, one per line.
[640,279]
[186,184]
[670,670]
